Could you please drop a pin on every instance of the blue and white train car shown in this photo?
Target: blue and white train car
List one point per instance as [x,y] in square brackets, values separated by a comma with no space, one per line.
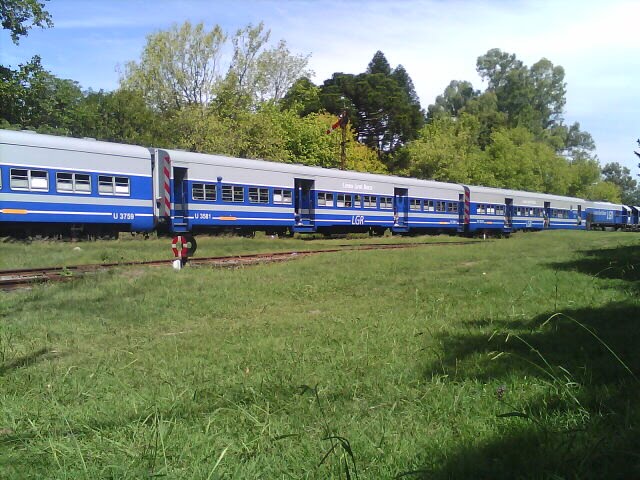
[494,209]
[199,192]
[54,185]
[602,215]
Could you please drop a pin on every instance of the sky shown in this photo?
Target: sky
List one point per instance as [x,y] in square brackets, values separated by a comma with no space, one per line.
[437,41]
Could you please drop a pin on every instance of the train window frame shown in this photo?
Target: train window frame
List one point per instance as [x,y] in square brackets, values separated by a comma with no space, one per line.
[207,189]
[28,178]
[386,203]
[283,196]
[325,199]
[452,207]
[429,206]
[344,200]
[481,209]
[119,186]
[415,204]
[370,201]
[260,195]
[76,179]
[441,206]
[357,201]
[233,193]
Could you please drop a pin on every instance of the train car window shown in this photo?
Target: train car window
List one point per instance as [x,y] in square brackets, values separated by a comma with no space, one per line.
[416,204]
[441,206]
[122,186]
[73,182]
[452,207]
[108,185]
[386,203]
[64,182]
[344,200]
[232,193]
[428,206]
[500,210]
[19,179]
[34,180]
[325,199]
[81,183]
[491,210]
[370,201]
[281,196]
[357,203]
[105,185]
[39,180]
[481,209]
[348,201]
[203,191]
[258,195]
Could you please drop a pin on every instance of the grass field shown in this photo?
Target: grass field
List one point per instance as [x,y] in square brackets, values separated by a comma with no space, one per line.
[516,358]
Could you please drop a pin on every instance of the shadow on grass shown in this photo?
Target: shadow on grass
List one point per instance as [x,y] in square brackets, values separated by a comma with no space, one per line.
[566,388]
[621,263]
[25,360]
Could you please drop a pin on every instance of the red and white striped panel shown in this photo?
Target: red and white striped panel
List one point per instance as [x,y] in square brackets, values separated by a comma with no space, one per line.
[467,206]
[166,171]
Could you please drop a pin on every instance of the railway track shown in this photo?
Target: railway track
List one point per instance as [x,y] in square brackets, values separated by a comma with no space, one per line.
[27,277]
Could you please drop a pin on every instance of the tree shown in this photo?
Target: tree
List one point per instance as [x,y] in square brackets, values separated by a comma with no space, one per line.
[19,16]
[382,105]
[454,98]
[178,67]
[303,97]
[277,70]
[447,150]
[621,176]
[34,98]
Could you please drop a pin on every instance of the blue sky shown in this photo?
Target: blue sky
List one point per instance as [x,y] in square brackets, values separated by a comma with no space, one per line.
[436,40]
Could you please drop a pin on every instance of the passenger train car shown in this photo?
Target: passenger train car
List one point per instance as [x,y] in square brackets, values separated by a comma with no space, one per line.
[54,185]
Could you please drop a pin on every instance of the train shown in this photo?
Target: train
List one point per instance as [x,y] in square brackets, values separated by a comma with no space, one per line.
[52,185]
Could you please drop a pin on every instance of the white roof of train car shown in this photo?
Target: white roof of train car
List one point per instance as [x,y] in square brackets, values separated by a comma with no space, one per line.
[302,170]
[32,139]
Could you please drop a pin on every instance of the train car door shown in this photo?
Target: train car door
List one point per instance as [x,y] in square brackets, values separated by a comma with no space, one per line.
[400,207]
[180,198]
[508,213]
[547,214]
[303,202]
[579,221]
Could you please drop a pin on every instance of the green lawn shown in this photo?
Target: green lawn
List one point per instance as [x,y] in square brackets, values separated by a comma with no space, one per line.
[431,362]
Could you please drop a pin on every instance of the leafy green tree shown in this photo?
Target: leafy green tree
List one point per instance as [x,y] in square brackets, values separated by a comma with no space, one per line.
[120,116]
[447,150]
[34,98]
[455,97]
[621,176]
[178,67]
[603,191]
[19,16]
[303,97]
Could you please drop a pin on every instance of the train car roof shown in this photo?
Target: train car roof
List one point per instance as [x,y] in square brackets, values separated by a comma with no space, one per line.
[301,170]
[521,193]
[32,139]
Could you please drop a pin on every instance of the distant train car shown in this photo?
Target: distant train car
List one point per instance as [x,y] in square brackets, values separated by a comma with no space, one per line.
[496,209]
[603,215]
[55,185]
[217,193]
